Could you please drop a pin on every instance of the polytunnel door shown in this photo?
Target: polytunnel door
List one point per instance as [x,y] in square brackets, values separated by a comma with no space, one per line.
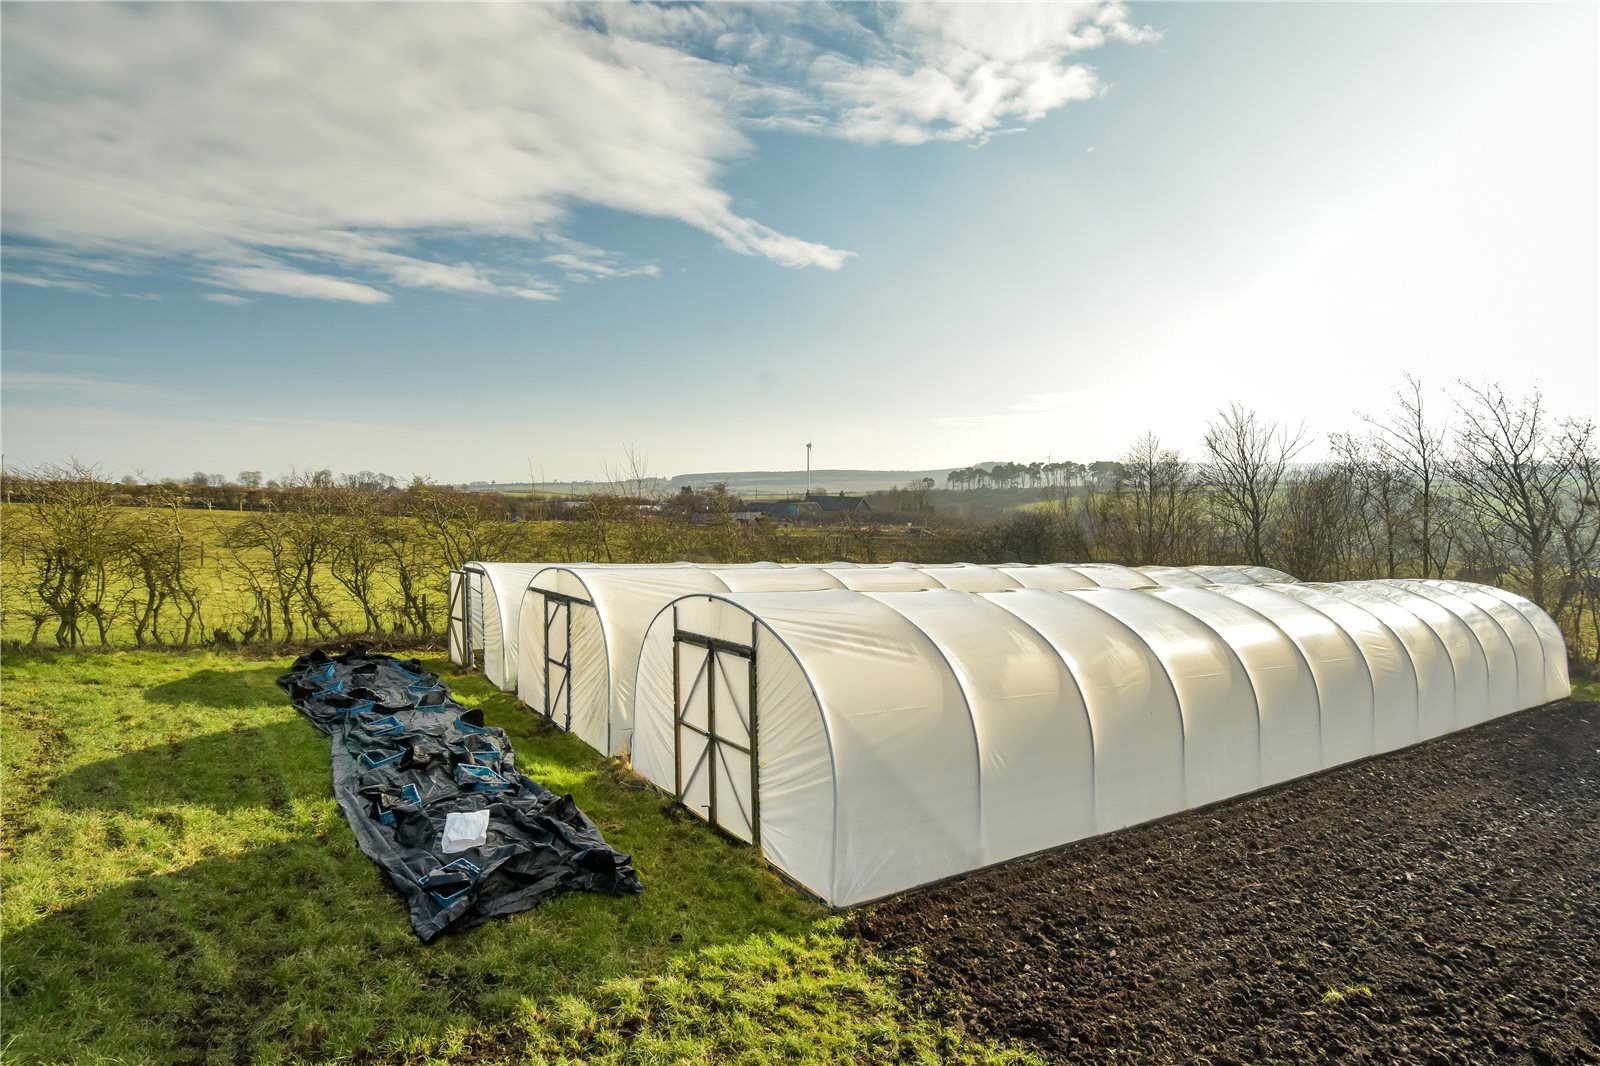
[456,621]
[558,661]
[714,733]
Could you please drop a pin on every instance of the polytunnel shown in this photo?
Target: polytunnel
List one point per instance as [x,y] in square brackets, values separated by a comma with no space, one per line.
[485,599]
[580,627]
[872,742]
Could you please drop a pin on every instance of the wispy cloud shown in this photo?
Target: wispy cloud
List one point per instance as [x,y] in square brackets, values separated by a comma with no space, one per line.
[284,281]
[78,386]
[254,143]
[38,281]
[1056,401]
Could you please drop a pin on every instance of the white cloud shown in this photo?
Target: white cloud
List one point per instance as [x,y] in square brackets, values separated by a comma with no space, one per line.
[41,282]
[327,150]
[226,298]
[283,281]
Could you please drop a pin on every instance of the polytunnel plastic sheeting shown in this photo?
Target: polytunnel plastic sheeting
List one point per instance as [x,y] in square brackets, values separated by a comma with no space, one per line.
[472,592]
[1345,690]
[1411,673]
[1114,575]
[603,605]
[1035,752]
[1265,575]
[903,752]
[785,578]
[1225,575]
[1557,683]
[594,684]
[1505,659]
[1135,724]
[1468,660]
[1174,576]
[1285,692]
[496,591]
[913,736]
[1055,578]
[1221,723]
[968,577]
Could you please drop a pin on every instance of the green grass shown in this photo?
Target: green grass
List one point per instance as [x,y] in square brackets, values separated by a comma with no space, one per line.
[180,886]
[1336,995]
[1589,689]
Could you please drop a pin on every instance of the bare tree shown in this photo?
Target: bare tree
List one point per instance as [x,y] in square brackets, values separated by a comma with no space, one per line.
[1512,474]
[160,559]
[1417,450]
[70,538]
[1149,512]
[1246,459]
[356,555]
[1319,527]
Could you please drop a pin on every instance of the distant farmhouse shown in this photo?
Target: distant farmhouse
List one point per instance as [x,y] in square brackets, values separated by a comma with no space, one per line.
[814,508]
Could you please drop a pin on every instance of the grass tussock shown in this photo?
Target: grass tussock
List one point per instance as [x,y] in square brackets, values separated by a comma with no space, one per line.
[181,887]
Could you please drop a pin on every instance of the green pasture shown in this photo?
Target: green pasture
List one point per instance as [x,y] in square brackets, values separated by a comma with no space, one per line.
[181,887]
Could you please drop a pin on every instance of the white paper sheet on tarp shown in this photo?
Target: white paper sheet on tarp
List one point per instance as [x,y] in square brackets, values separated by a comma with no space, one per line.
[464,830]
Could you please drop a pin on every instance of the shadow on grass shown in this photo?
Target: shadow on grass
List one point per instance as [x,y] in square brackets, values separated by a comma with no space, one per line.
[264,766]
[303,951]
[224,689]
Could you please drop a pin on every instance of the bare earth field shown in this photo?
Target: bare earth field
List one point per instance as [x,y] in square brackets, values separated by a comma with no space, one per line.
[1441,905]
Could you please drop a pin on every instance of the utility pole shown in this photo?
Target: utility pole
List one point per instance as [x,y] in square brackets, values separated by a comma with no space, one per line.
[808,470]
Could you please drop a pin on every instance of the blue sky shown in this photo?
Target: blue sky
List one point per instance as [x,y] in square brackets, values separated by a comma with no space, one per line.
[471,242]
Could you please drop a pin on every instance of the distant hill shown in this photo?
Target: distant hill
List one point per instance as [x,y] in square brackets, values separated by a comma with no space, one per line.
[784,482]
[751,483]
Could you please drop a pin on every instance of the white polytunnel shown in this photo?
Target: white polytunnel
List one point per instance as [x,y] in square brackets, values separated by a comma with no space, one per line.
[580,627]
[871,742]
[485,599]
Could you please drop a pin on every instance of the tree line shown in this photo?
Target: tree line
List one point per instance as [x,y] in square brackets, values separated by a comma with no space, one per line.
[1491,488]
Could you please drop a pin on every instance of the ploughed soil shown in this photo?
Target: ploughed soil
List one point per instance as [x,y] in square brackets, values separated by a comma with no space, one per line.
[1437,905]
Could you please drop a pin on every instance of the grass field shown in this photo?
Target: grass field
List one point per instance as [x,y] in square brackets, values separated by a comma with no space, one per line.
[181,887]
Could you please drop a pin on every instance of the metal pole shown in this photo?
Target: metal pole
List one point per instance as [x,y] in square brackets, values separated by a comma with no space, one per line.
[677,712]
[755,751]
[711,728]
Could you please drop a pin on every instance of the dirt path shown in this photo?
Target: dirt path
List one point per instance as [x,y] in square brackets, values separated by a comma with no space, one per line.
[1441,905]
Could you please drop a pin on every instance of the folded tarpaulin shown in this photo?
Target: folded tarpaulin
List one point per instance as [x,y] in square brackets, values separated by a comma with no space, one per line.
[406,757]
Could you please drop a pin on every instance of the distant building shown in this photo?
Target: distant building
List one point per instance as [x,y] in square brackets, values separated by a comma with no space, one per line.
[840,504]
[774,509]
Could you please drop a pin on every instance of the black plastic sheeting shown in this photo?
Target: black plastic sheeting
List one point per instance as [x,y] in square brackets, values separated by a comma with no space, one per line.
[405,755]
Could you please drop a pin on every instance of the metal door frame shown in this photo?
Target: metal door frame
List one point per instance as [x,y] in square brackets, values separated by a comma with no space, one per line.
[457,591]
[466,613]
[563,603]
[714,646]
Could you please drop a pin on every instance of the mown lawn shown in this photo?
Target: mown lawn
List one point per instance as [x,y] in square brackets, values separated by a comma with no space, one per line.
[181,887]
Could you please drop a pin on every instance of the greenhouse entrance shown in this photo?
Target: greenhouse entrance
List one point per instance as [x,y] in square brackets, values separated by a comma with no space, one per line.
[558,657]
[714,688]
